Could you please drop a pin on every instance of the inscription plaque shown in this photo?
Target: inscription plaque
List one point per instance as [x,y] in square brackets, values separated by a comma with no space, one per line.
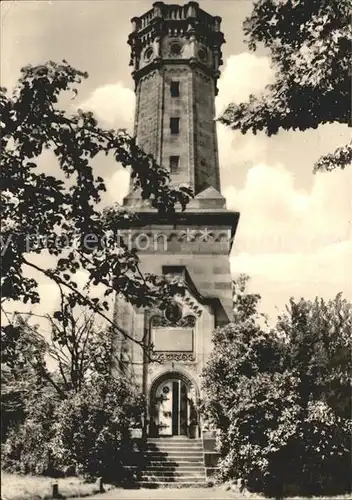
[172,339]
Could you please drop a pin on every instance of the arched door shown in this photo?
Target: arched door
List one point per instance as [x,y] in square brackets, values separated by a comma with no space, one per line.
[172,407]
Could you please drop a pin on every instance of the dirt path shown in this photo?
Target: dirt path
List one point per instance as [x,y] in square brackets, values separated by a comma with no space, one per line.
[170,494]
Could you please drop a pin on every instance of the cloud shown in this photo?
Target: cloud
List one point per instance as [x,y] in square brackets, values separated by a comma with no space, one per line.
[293,242]
[277,216]
[113,105]
[279,276]
[244,74]
[116,187]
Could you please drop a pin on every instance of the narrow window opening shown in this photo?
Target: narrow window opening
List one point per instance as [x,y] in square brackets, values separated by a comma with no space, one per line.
[174,125]
[174,164]
[175,89]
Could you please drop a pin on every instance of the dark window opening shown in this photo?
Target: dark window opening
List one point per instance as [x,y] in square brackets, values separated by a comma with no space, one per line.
[175,89]
[174,125]
[202,55]
[174,163]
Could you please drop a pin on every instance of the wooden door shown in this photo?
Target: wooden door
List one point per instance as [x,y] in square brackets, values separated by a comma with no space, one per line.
[165,397]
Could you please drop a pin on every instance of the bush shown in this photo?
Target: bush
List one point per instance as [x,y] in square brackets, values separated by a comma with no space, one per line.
[93,429]
[280,400]
[88,433]
[27,447]
[277,447]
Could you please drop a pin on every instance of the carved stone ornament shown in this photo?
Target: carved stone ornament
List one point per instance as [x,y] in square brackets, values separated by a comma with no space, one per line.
[187,321]
[173,312]
[148,54]
[164,357]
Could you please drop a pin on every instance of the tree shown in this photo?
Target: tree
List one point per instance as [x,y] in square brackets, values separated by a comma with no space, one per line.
[22,370]
[281,400]
[66,406]
[245,304]
[240,349]
[318,348]
[92,429]
[309,44]
[43,212]
[65,354]
[88,433]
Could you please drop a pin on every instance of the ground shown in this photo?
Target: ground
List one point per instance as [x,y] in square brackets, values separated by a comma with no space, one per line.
[173,494]
[216,493]
[17,487]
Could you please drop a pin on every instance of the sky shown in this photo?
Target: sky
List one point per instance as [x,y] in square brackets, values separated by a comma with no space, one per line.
[294,237]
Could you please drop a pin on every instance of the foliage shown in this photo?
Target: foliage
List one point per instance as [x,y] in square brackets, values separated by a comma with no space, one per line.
[278,446]
[26,449]
[60,214]
[88,431]
[93,428]
[241,350]
[318,348]
[281,401]
[22,371]
[75,415]
[245,304]
[64,358]
[309,43]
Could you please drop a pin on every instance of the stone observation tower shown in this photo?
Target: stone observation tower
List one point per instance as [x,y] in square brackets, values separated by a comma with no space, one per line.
[176,54]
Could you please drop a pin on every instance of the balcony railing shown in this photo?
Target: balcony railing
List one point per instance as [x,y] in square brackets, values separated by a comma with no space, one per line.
[175,13]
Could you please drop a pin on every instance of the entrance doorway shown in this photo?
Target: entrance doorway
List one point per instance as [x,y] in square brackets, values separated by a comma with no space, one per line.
[172,406]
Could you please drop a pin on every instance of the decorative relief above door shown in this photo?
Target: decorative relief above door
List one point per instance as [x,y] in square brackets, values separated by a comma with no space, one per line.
[173,335]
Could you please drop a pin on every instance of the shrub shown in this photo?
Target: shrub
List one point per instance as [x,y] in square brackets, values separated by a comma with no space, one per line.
[280,401]
[276,446]
[27,447]
[92,429]
[89,432]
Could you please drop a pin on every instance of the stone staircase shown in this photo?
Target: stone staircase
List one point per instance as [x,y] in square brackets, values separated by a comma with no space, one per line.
[173,462]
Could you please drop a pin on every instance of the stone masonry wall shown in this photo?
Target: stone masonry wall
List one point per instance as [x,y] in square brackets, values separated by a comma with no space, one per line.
[181,144]
[206,157]
[148,119]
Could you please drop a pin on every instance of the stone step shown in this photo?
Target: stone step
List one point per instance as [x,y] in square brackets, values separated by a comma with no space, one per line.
[174,452]
[172,440]
[180,485]
[190,466]
[177,468]
[173,474]
[176,462]
[176,446]
[165,463]
[167,479]
[169,457]
[164,451]
[173,463]
[183,442]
